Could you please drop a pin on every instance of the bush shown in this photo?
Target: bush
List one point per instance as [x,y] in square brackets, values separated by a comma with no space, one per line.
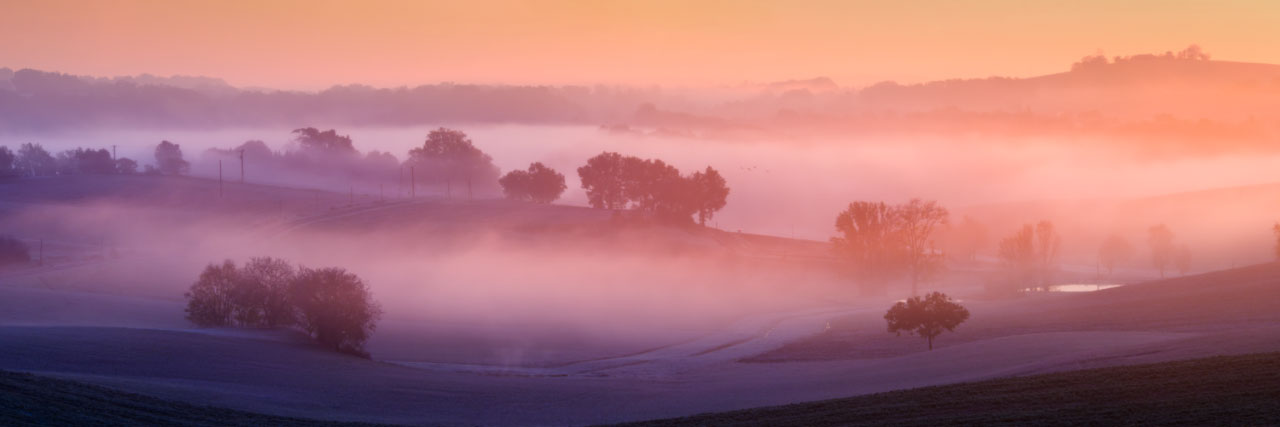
[539,184]
[13,251]
[261,294]
[332,305]
[210,302]
[335,307]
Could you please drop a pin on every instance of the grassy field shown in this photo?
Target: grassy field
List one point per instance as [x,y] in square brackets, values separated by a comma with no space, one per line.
[1226,390]
[27,399]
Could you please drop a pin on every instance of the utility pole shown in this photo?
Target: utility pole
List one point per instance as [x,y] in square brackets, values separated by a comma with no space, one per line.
[219,178]
[242,166]
[113,151]
[413,183]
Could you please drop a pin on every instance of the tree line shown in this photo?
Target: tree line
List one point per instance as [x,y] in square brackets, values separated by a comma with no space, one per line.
[613,181]
[332,305]
[32,160]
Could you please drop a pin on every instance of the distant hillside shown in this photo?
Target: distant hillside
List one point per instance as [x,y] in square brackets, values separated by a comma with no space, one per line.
[1180,97]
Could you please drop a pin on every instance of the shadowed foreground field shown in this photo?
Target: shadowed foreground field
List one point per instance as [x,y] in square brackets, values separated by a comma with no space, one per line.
[1225,390]
[27,399]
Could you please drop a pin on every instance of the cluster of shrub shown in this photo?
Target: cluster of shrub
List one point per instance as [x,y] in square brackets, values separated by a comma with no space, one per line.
[32,160]
[538,184]
[333,306]
[614,181]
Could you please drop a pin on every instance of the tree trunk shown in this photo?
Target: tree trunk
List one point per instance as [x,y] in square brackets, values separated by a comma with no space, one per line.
[930,343]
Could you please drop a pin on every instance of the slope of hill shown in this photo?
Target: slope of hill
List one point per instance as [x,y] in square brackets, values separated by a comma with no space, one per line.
[1229,390]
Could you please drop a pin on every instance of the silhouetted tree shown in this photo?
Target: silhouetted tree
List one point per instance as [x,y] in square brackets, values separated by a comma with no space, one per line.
[1182,260]
[6,162]
[869,241]
[1160,238]
[1030,254]
[540,184]
[916,221]
[1050,243]
[211,299]
[33,160]
[335,307]
[86,161]
[126,166]
[1114,250]
[449,155]
[261,293]
[1276,230]
[13,251]
[326,143]
[711,193]
[169,159]
[926,317]
[605,181]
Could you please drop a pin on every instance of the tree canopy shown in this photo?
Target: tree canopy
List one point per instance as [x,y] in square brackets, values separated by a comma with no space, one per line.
[169,159]
[539,184]
[614,181]
[926,316]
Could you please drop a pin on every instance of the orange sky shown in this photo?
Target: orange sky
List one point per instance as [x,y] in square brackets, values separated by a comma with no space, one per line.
[314,44]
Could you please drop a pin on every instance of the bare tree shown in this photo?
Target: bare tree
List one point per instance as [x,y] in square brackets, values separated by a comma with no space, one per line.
[1050,243]
[926,317]
[211,300]
[1030,254]
[868,241]
[916,221]
[1160,238]
[1276,230]
[1115,250]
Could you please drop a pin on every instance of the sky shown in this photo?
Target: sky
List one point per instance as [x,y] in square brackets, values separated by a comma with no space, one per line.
[314,44]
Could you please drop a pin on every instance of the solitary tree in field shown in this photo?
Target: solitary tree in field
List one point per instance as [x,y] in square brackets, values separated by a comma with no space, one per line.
[539,184]
[916,221]
[169,159]
[1162,250]
[1114,250]
[926,316]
